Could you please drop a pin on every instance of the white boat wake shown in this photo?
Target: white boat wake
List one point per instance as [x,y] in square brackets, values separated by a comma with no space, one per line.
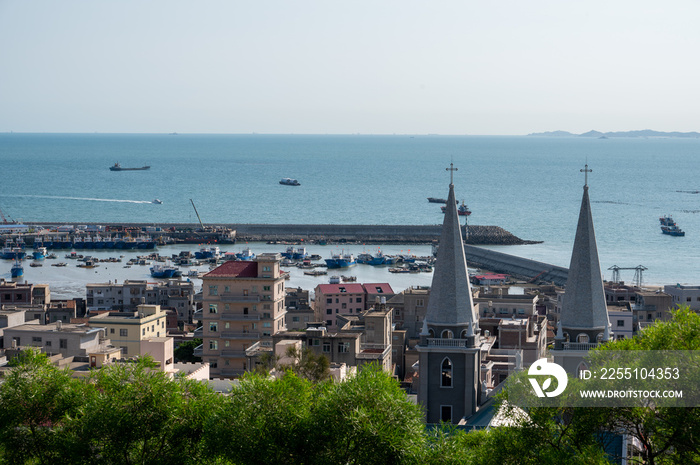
[81,198]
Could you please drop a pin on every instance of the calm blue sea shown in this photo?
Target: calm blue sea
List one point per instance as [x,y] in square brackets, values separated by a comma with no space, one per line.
[530,186]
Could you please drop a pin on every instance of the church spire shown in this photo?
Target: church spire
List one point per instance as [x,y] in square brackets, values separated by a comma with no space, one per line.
[584,310]
[450,294]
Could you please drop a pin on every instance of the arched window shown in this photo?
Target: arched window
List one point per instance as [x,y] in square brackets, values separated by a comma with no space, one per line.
[463,334]
[446,373]
[431,333]
[599,337]
[582,337]
[446,334]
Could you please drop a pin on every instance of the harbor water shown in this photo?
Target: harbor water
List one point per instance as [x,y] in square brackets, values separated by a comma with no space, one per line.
[531,186]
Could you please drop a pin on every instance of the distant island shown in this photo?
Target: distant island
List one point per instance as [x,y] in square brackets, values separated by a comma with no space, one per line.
[604,135]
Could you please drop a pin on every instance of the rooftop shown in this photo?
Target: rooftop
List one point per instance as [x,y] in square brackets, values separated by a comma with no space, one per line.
[235,269]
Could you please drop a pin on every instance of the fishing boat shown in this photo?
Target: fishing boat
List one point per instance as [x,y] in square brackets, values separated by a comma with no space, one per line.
[340,260]
[208,252]
[17,268]
[40,253]
[165,271]
[462,210]
[668,226]
[289,182]
[118,167]
[246,255]
[13,250]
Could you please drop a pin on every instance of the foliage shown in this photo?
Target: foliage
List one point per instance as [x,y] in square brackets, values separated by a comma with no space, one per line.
[185,351]
[307,364]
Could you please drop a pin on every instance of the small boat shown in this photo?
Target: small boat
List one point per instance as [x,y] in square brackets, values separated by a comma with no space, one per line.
[164,271]
[17,269]
[462,210]
[157,201]
[246,255]
[59,264]
[289,182]
[315,273]
[35,264]
[436,200]
[118,167]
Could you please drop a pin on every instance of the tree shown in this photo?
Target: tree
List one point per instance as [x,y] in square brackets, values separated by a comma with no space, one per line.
[36,399]
[185,351]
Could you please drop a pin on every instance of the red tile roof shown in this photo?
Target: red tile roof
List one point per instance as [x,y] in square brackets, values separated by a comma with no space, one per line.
[235,269]
[371,288]
[350,288]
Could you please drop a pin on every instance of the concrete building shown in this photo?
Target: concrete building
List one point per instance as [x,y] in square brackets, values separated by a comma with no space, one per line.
[650,306]
[450,343]
[409,307]
[128,329]
[333,300]
[622,320]
[584,321]
[175,294]
[15,293]
[299,311]
[243,303]
[69,340]
[683,294]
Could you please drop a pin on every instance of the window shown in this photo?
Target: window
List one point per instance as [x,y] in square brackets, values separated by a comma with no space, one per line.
[343,347]
[358,300]
[48,343]
[688,299]
[295,319]
[213,344]
[267,324]
[337,300]
[446,373]
[620,323]
[213,290]
[379,290]
[326,347]
[266,288]
[582,338]
[329,300]
[446,413]
[227,288]
[447,334]
[343,306]
[213,308]
[266,268]
[420,303]
[213,326]
[143,332]
[245,310]
[36,339]
[124,333]
[63,343]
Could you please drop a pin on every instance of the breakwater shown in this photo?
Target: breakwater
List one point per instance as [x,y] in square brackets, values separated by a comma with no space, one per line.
[524,268]
[368,234]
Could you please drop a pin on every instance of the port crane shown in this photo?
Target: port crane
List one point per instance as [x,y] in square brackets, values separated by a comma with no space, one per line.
[195,210]
[638,278]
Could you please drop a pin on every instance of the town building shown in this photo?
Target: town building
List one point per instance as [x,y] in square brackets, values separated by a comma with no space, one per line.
[242,304]
[333,300]
[299,311]
[175,294]
[684,295]
[70,340]
[650,306]
[127,330]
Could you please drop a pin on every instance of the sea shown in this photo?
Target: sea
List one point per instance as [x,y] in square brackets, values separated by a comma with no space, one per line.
[528,185]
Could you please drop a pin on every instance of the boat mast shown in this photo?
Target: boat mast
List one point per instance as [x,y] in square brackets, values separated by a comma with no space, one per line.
[195,210]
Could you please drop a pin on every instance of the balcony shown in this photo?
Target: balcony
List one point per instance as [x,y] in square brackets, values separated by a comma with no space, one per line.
[240,317]
[199,332]
[579,345]
[436,342]
[240,335]
[373,351]
[199,350]
[233,353]
[237,298]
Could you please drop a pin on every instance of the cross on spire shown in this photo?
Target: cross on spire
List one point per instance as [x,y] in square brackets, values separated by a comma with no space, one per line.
[586,170]
[451,169]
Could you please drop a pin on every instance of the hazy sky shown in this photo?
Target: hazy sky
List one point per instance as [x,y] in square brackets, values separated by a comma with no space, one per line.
[371,67]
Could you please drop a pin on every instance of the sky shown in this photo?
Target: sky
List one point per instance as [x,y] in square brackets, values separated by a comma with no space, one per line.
[509,67]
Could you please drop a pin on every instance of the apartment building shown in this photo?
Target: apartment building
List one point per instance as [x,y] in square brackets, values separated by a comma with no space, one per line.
[242,304]
[333,300]
[56,338]
[175,294]
[128,329]
[682,294]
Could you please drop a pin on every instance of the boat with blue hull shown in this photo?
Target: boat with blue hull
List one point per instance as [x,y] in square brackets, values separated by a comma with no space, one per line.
[39,253]
[245,255]
[165,271]
[208,252]
[17,269]
[13,250]
[341,260]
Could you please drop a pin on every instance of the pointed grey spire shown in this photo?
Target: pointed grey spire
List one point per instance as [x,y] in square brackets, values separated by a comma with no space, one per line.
[584,306]
[450,295]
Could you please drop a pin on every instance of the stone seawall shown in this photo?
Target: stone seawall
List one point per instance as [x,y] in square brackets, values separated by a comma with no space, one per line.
[525,268]
[483,235]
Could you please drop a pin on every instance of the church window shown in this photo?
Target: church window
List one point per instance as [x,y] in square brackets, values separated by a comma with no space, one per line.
[463,335]
[446,373]
[447,334]
[582,337]
[431,333]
